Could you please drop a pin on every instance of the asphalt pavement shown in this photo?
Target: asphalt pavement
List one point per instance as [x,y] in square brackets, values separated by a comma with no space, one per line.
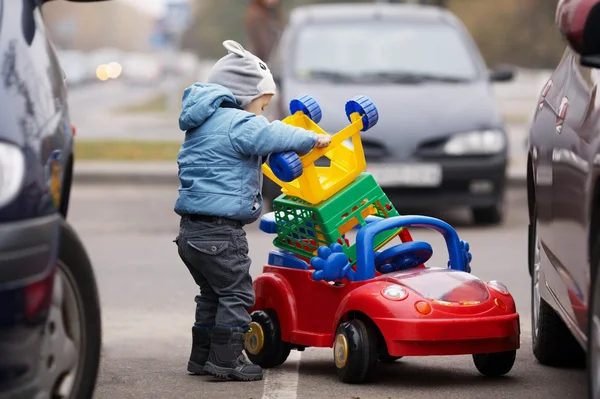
[148,309]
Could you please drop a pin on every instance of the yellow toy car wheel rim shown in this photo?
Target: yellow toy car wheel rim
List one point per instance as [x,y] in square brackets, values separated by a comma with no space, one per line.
[255,339]
[340,351]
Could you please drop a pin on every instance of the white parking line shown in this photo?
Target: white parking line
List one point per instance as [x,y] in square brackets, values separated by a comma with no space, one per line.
[282,382]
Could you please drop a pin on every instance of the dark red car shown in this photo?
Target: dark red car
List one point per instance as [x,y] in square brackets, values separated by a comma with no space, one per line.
[563,181]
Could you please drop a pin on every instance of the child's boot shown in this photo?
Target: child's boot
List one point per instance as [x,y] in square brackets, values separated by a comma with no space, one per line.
[227,360]
[200,349]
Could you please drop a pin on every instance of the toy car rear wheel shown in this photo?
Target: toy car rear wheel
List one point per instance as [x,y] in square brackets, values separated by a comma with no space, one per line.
[355,351]
[364,106]
[495,364]
[308,106]
[263,342]
[286,166]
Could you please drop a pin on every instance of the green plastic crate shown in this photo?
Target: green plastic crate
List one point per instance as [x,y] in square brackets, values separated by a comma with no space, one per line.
[302,227]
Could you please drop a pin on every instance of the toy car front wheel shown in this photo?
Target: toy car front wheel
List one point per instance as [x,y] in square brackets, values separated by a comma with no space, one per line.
[263,342]
[495,364]
[355,351]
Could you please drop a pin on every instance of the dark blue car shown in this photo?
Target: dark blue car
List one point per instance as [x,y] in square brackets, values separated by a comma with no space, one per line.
[50,334]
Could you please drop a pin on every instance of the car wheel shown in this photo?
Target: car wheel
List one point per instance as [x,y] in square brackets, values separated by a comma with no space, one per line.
[553,344]
[495,364]
[488,216]
[593,350]
[72,337]
[263,342]
[355,351]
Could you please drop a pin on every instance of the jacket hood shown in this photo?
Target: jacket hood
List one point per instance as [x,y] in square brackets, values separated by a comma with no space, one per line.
[199,102]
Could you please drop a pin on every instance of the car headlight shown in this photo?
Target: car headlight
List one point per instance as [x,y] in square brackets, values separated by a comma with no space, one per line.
[498,286]
[394,292]
[12,170]
[478,142]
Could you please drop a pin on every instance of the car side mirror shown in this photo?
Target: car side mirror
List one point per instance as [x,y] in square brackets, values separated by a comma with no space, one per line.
[579,23]
[502,73]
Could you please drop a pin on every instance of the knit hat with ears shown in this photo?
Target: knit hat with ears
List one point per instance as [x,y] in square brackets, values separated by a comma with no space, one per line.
[240,71]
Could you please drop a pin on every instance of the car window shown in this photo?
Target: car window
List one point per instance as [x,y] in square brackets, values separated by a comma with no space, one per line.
[359,48]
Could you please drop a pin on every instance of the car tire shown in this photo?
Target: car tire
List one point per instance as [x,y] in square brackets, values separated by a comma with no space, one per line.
[552,342]
[593,333]
[495,364]
[74,321]
[488,216]
[355,351]
[263,343]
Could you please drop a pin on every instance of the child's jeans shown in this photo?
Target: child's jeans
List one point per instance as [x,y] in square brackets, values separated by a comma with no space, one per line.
[215,251]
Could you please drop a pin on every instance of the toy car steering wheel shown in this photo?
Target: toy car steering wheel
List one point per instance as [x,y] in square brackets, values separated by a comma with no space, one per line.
[403,256]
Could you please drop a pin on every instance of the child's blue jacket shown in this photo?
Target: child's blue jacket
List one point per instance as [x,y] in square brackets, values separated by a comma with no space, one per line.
[220,159]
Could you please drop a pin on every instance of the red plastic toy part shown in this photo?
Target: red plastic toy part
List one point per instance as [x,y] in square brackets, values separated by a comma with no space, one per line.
[309,311]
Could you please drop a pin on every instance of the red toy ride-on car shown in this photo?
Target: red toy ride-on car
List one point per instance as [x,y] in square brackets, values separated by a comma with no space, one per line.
[384,306]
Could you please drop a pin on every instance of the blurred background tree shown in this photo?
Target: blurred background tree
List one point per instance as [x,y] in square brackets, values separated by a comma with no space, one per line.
[520,32]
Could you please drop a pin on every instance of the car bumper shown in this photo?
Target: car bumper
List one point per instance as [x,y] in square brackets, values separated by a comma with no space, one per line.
[450,336]
[28,251]
[475,182]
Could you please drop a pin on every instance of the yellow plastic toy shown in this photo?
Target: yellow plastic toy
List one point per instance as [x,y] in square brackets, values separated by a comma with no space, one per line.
[299,176]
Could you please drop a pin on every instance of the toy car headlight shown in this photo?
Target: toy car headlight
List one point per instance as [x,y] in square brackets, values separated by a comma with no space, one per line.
[498,286]
[12,172]
[477,142]
[394,292]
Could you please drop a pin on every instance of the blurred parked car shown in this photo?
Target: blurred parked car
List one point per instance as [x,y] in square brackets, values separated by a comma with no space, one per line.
[440,141]
[563,186]
[50,333]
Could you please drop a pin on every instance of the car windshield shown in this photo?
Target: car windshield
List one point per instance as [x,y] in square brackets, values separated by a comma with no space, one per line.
[384,52]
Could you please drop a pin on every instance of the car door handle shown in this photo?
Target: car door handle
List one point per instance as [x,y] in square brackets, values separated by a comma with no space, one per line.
[545,93]
[562,114]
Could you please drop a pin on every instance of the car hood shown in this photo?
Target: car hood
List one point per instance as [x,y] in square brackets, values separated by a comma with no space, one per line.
[442,285]
[409,114]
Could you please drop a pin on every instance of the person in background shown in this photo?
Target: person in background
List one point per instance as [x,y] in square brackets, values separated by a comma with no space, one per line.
[263,25]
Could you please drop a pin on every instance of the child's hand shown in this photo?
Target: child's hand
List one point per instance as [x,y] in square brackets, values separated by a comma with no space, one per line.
[323,140]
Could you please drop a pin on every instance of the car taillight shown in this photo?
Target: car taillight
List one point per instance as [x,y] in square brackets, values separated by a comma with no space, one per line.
[38,296]
[12,171]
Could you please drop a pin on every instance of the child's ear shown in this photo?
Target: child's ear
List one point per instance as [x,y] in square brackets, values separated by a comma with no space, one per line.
[234,47]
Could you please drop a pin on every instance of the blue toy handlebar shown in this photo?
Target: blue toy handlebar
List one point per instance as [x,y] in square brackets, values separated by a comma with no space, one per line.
[365,256]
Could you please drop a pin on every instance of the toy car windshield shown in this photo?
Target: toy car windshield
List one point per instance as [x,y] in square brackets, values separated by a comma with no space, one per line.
[445,285]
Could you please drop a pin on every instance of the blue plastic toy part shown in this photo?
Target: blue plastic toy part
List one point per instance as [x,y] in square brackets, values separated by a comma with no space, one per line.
[308,106]
[286,166]
[267,223]
[403,256]
[365,258]
[331,264]
[464,246]
[364,106]
[286,259]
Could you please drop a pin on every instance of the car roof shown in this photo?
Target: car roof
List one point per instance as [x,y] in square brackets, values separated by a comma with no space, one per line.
[365,11]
